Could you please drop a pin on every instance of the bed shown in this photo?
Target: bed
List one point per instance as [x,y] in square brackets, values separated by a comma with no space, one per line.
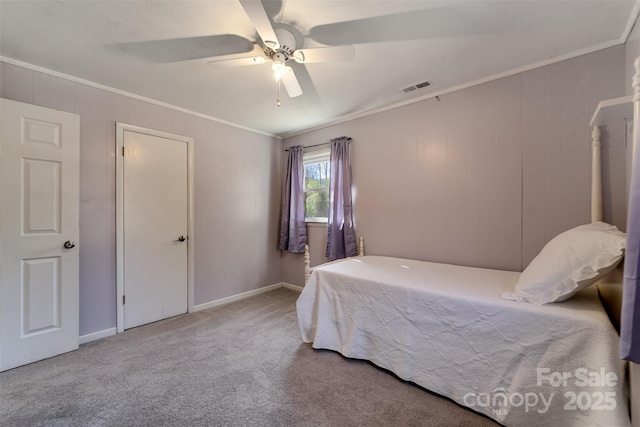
[450,330]
[446,329]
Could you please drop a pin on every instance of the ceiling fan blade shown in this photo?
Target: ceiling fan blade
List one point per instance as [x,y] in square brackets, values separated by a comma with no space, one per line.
[237,62]
[256,12]
[256,56]
[455,20]
[324,54]
[186,49]
[290,82]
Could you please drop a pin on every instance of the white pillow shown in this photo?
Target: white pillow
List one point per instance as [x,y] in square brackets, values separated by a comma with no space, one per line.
[571,261]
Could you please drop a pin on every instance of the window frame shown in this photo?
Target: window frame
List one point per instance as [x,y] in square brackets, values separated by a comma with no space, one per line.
[317,156]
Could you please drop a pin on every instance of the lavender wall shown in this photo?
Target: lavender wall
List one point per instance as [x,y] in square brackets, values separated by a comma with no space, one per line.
[489,174]
[236,192]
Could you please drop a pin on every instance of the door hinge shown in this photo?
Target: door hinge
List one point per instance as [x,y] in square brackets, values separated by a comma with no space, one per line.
[123,150]
[123,300]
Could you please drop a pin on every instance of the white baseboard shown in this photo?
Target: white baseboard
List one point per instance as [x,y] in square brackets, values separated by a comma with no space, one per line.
[295,288]
[237,297]
[247,294]
[97,335]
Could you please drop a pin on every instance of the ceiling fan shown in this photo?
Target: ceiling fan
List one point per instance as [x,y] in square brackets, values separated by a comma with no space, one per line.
[280,45]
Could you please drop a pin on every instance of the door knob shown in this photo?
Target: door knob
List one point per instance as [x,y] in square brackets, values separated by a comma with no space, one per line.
[69,244]
[181,239]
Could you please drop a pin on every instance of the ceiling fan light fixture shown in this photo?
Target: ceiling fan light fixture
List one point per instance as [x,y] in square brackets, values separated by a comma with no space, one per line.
[278,66]
[280,69]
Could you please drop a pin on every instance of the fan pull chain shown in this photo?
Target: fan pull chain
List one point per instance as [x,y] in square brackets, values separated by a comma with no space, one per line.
[278,98]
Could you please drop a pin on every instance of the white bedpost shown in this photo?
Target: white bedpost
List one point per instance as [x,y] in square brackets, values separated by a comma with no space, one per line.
[307,264]
[596,176]
[361,246]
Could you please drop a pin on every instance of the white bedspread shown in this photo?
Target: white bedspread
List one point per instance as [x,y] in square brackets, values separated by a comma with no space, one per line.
[446,328]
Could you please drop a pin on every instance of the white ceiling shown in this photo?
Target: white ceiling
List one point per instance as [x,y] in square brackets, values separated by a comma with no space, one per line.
[159,49]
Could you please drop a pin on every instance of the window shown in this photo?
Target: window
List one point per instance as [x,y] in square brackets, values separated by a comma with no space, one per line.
[316,186]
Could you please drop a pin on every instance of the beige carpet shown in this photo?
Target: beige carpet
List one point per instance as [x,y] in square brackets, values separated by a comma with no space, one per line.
[242,364]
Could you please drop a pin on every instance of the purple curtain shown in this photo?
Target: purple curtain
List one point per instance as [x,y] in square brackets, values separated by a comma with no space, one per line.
[629,332]
[341,237]
[293,229]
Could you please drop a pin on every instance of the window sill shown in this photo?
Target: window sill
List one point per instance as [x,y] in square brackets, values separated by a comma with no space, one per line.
[316,224]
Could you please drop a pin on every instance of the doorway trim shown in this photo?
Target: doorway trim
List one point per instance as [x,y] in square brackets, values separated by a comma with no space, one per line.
[120,129]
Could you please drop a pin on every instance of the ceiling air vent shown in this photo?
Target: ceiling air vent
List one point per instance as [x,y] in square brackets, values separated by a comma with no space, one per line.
[415,86]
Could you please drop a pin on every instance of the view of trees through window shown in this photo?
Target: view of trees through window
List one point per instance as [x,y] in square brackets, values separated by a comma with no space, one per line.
[316,184]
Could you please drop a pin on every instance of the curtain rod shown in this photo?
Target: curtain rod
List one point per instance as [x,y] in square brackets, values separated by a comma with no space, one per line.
[318,145]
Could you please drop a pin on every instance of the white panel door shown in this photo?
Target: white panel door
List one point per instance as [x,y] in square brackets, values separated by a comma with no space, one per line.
[39,229]
[155,221]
